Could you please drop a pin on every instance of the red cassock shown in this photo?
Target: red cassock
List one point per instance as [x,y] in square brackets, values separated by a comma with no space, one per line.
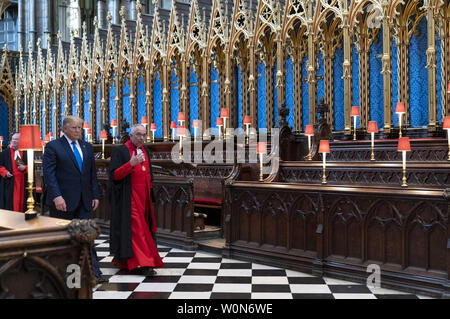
[19,182]
[145,253]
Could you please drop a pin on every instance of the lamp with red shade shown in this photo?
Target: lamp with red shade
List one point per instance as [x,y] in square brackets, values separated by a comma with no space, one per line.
[181,134]
[195,126]
[354,113]
[30,141]
[400,110]
[173,127]
[89,135]
[309,131]
[372,129]
[103,137]
[85,128]
[404,146]
[144,122]
[247,123]
[224,115]
[50,134]
[446,126]
[261,149]
[181,118]
[153,129]
[324,148]
[44,142]
[219,123]
[114,126]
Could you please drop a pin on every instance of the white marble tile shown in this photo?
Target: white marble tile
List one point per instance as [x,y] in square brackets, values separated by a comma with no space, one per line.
[235,288]
[292,273]
[109,271]
[271,295]
[384,291]
[235,272]
[107,259]
[102,253]
[197,280]
[206,254]
[354,296]
[310,289]
[260,266]
[170,271]
[111,294]
[268,280]
[204,266]
[127,278]
[156,287]
[189,295]
[177,259]
[333,281]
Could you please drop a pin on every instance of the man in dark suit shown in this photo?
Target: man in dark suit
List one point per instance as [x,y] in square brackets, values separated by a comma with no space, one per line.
[71,178]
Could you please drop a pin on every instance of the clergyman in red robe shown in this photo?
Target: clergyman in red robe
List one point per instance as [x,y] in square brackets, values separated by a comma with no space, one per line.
[132,224]
[12,181]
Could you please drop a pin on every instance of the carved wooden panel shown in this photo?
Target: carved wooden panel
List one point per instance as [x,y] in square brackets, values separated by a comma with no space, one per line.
[174,210]
[405,232]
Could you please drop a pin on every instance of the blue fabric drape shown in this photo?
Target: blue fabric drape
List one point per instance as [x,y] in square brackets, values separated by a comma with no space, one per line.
[338,90]
[193,99]
[174,98]
[141,99]
[126,103]
[262,124]
[157,98]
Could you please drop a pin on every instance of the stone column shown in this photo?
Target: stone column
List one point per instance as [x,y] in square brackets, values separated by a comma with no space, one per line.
[101,14]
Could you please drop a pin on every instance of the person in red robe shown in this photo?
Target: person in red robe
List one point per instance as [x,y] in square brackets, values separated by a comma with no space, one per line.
[132,225]
[12,171]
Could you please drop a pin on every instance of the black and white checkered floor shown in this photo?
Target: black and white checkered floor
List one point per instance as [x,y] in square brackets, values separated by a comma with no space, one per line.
[203,275]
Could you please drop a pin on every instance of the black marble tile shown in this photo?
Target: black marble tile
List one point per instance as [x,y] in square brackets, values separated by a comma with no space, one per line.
[271,288]
[162,279]
[118,286]
[200,272]
[175,265]
[226,295]
[149,295]
[214,260]
[180,254]
[312,296]
[194,287]
[268,272]
[396,296]
[164,250]
[306,280]
[107,265]
[236,266]
[233,280]
[349,289]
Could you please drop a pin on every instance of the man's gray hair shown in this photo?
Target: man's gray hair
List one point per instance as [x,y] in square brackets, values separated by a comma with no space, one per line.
[71,119]
[133,128]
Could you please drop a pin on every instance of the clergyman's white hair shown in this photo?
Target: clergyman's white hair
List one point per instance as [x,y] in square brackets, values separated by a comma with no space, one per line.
[133,128]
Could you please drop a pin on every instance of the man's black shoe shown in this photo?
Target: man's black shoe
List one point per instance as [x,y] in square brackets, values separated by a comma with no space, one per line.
[101,280]
[147,271]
